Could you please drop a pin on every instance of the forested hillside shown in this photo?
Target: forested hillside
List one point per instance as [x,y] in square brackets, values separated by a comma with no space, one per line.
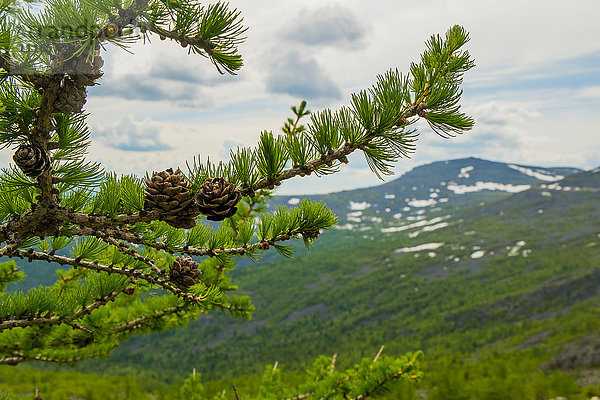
[491,269]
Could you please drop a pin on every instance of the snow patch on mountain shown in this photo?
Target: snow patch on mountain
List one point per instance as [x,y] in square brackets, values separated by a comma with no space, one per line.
[556,186]
[418,224]
[478,254]
[464,172]
[428,228]
[422,203]
[355,205]
[415,217]
[540,174]
[421,247]
[345,227]
[514,250]
[479,186]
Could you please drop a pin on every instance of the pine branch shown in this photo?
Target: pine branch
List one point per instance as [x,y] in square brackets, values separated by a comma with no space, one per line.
[33,321]
[236,392]
[146,320]
[213,31]
[131,273]
[125,249]
[14,69]
[381,383]
[105,217]
[300,227]
[302,396]
[18,358]
[9,249]
[340,155]
[208,47]
[235,310]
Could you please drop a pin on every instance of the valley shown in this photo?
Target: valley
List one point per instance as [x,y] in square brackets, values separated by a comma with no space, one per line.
[484,266]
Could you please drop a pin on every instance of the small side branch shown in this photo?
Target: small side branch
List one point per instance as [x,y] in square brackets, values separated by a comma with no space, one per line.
[20,357]
[340,154]
[125,249]
[380,384]
[111,269]
[378,353]
[22,323]
[146,320]
[122,234]
[236,392]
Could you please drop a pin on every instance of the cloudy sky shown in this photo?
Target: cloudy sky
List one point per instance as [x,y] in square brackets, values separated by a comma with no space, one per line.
[535,92]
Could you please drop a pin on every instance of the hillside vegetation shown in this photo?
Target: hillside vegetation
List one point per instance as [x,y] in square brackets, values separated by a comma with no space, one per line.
[491,269]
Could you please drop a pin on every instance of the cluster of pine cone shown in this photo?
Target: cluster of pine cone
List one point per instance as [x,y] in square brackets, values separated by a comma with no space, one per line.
[169,193]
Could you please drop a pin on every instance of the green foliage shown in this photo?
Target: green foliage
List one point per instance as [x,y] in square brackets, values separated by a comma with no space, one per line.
[62,385]
[371,377]
[192,388]
[292,126]
[437,79]
[502,376]
[118,246]
[9,273]
[243,162]
[11,204]
[271,155]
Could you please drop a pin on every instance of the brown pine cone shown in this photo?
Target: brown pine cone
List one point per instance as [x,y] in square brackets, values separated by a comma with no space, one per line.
[217,199]
[311,234]
[184,272]
[71,97]
[169,193]
[32,160]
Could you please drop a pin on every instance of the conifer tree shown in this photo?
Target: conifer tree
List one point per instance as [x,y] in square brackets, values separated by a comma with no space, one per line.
[139,253]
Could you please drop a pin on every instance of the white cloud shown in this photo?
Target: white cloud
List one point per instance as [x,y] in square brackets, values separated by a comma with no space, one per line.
[130,135]
[497,113]
[590,92]
[331,25]
[300,76]
[526,108]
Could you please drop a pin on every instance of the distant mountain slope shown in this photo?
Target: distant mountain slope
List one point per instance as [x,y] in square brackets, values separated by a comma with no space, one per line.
[443,184]
[496,276]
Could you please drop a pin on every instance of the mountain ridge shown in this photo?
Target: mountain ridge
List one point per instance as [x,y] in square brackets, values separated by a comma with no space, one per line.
[449,185]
